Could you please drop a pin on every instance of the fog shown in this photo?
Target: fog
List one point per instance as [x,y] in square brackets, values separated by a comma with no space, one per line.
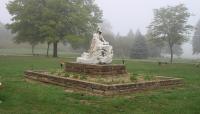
[132,14]
[137,14]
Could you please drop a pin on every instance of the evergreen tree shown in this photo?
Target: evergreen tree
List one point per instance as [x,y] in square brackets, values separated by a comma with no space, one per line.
[123,45]
[139,49]
[130,34]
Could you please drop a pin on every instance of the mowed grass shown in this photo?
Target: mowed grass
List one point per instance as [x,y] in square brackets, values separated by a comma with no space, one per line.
[19,96]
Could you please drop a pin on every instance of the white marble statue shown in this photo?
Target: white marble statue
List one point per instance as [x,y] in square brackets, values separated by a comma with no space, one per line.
[100,51]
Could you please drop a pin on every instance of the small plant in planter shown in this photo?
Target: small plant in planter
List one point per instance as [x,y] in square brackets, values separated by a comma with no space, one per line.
[148,77]
[122,81]
[59,72]
[115,81]
[52,72]
[75,76]
[67,75]
[71,75]
[83,77]
[133,77]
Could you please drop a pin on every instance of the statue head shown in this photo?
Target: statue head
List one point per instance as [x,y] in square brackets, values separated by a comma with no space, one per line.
[99,31]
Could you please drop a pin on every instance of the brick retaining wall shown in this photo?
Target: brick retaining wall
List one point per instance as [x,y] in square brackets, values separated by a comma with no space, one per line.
[101,88]
[90,69]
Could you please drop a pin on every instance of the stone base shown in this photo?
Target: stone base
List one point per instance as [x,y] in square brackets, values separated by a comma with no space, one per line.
[90,69]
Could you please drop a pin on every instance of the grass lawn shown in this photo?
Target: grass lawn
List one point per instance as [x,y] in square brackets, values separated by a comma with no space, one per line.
[20,96]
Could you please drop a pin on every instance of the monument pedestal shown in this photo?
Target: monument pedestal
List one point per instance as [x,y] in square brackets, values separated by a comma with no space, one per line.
[93,69]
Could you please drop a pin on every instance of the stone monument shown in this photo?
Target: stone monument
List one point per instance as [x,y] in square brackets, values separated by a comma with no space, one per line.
[100,51]
[97,61]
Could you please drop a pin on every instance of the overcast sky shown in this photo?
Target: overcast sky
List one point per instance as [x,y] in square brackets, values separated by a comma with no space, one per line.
[137,14]
[129,14]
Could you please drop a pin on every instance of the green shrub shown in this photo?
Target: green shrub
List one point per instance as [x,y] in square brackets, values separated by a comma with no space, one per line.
[59,73]
[67,75]
[83,77]
[52,72]
[133,78]
[148,77]
[135,74]
[75,76]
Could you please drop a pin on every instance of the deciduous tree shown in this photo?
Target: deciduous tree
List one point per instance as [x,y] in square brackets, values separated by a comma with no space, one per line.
[170,25]
[53,20]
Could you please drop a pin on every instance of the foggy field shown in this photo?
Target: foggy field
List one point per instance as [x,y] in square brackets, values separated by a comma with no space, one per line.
[67,53]
[18,95]
[38,52]
[151,38]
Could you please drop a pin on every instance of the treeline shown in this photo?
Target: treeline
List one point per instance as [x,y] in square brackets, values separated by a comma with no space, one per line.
[7,41]
[54,21]
[137,45]
[73,22]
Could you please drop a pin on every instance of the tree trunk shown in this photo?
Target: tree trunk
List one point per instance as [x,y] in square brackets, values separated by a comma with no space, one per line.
[160,50]
[33,50]
[172,54]
[48,44]
[55,45]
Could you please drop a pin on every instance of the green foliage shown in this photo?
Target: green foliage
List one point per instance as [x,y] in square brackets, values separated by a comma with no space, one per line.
[75,41]
[155,46]
[25,17]
[139,48]
[100,80]
[36,21]
[83,77]
[60,72]
[170,25]
[148,77]
[75,76]
[67,74]
[123,44]
[133,77]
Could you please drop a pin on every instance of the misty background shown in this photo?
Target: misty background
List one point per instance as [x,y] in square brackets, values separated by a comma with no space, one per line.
[124,15]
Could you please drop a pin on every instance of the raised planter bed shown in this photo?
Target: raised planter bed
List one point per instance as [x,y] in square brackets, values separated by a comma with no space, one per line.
[103,89]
